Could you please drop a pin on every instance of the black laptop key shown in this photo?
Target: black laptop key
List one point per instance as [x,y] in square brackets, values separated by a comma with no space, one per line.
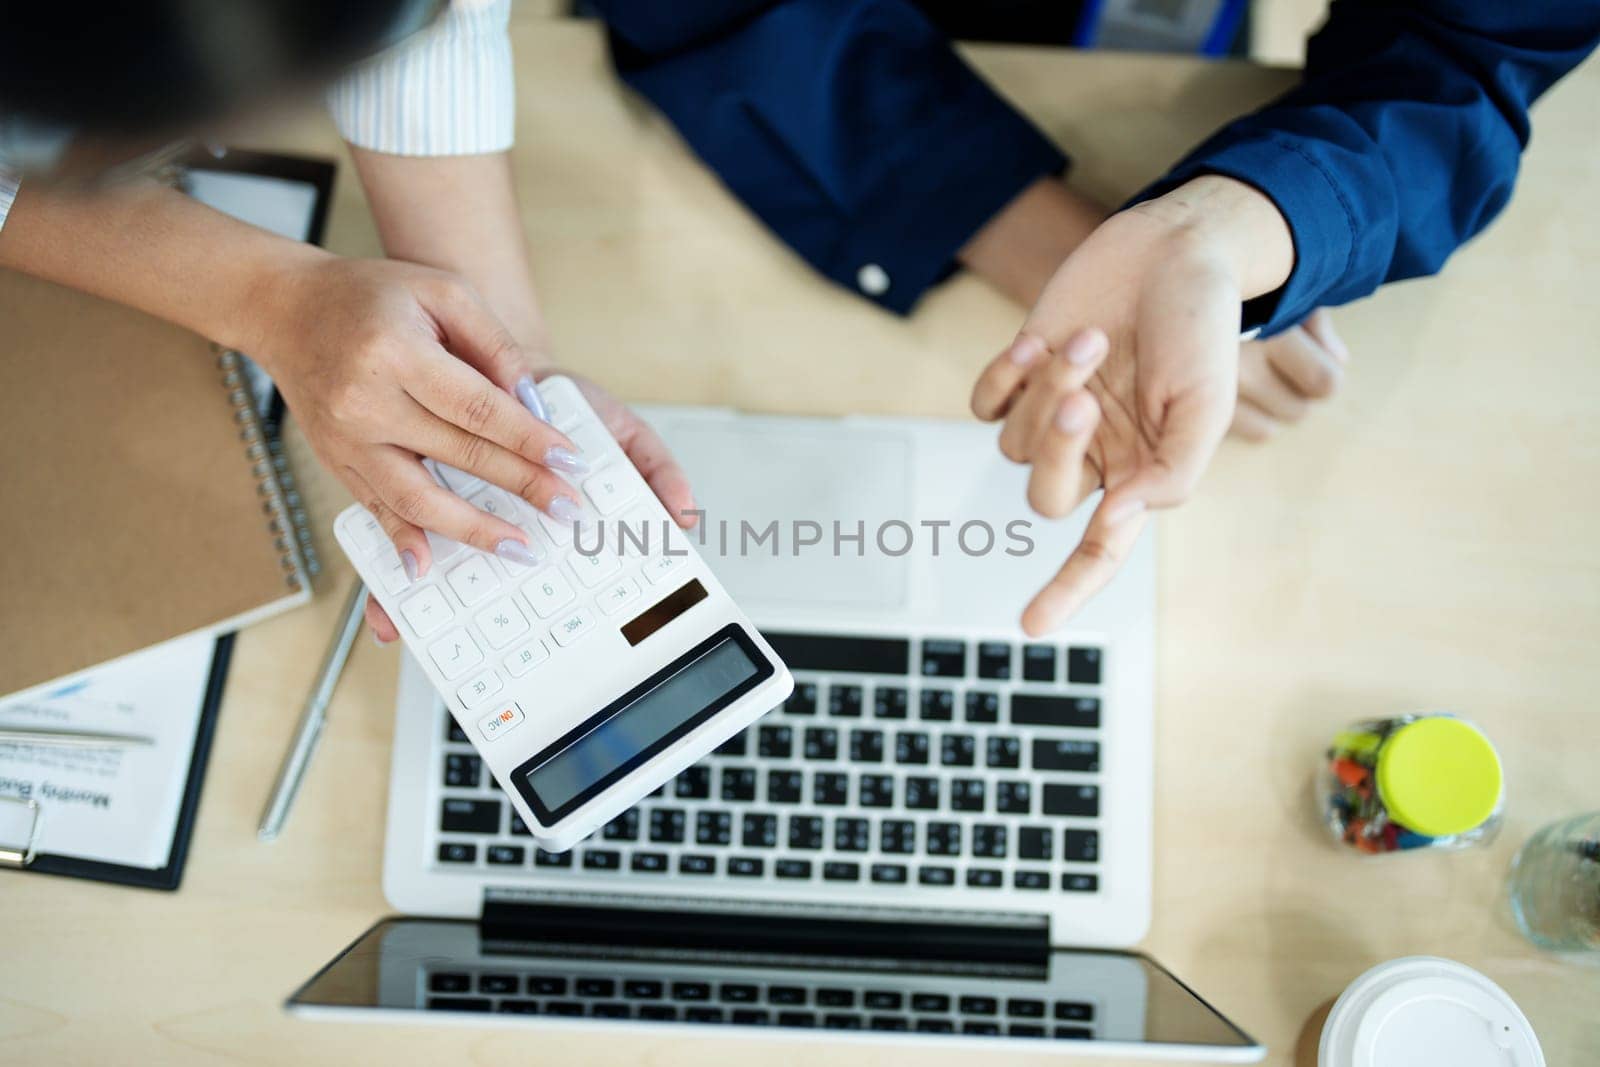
[897,836]
[1025,1008]
[967,794]
[1033,842]
[983,707]
[786,994]
[624,827]
[857,655]
[693,783]
[888,1022]
[704,1015]
[518,827]
[936,876]
[797,1018]
[602,859]
[459,1004]
[797,869]
[758,831]
[666,826]
[1004,753]
[984,878]
[1079,883]
[498,984]
[958,750]
[470,817]
[1013,798]
[822,742]
[911,748]
[883,1000]
[836,998]
[738,993]
[805,831]
[839,1020]
[546,985]
[457,852]
[994,660]
[1039,663]
[1031,879]
[981,1029]
[976,1005]
[944,659]
[1075,1011]
[518,1007]
[649,862]
[784,787]
[541,858]
[935,1026]
[852,835]
[930,1002]
[989,840]
[691,991]
[609,1010]
[449,982]
[696,863]
[1080,846]
[751,1017]
[738,784]
[841,871]
[658,1012]
[1038,709]
[1080,800]
[737,745]
[453,730]
[713,828]
[922,794]
[942,839]
[642,989]
[877,791]
[1025,1030]
[1065,755]
[866,746]
[506,855]
[595,987]
[938,705]
[1073,1033]
[1083,666]
[844,701]
[775,742]
[889,702]
[462,770]
[746,866]
[563,1007]
[830,787]
[803,701]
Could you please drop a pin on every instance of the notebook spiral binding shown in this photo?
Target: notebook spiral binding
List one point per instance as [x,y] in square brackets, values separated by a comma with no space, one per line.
[286,518]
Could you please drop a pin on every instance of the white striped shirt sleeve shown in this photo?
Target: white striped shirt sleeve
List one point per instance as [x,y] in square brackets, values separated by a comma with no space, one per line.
[10,180]
[447,91]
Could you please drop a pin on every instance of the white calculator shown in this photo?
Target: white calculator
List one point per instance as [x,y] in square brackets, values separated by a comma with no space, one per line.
[590,680]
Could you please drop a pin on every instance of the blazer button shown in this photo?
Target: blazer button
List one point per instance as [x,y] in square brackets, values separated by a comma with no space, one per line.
[873,280]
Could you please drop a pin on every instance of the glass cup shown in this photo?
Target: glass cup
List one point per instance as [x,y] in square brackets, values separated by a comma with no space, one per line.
[1555,885]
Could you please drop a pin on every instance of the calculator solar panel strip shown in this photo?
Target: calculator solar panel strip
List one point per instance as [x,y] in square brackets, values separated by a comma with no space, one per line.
[931,759]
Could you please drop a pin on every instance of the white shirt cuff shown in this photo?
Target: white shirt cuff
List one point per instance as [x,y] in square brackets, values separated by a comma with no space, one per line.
[10,181]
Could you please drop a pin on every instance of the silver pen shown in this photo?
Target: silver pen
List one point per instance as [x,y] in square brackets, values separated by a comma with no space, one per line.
[37,735]
[306,735]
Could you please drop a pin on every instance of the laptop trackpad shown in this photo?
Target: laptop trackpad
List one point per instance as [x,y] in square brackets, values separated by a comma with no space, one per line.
[754,472]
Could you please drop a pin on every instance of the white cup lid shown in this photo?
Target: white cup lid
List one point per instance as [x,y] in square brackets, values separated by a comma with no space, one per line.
[1426,1010]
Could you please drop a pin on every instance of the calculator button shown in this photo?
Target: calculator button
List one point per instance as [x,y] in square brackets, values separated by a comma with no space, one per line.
[494,724]
[618,595]
[592,570]
[572,627]
[367,532]
[547,593]
[526,657]
[457,481]
[502,622]
[479,689]
[592,441]
[662,567]
[610,491]
[455,653]
[392,573]
[562,403]
[495,503]
[473,581]
[428,611]
[558,531]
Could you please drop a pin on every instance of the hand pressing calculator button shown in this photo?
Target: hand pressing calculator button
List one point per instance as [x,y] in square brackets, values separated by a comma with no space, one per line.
[593,678]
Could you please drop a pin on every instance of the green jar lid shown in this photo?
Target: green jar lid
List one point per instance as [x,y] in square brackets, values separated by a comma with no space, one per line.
[1439,776]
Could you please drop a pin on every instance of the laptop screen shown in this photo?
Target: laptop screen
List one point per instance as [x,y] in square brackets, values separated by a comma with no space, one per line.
[427,965]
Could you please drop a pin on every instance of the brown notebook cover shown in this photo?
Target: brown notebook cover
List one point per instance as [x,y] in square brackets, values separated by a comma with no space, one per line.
[136,500]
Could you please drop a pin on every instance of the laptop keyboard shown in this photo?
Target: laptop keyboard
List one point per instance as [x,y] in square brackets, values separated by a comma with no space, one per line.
[955,766]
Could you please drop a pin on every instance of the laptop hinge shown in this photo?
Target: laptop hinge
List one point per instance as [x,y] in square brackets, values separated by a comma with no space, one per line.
[765,927]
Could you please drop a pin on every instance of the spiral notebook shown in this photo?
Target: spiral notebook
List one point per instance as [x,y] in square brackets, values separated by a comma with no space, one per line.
[140,499]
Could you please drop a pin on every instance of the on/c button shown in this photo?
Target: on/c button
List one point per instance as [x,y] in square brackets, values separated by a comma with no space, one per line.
[496,723]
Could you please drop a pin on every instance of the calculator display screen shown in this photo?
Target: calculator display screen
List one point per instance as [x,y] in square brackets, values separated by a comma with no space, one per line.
[703,682]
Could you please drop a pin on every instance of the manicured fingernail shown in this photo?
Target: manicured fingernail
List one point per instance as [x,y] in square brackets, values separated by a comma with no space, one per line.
[1026,349]
[516,552]
[1071,417]
[528,393]
[565,509]
[408,560]
[1084,348]
[565,459]
[1124,511]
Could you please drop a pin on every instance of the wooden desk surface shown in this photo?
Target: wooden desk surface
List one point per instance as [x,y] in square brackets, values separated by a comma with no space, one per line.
[1427,542]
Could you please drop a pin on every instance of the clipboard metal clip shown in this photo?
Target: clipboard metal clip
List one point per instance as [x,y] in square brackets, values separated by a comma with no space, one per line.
[19,856]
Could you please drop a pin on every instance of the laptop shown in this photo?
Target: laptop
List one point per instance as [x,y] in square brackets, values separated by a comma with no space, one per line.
[944,834]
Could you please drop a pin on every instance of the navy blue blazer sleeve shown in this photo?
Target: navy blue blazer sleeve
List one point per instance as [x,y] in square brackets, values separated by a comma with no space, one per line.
[850,127]
[1402,140]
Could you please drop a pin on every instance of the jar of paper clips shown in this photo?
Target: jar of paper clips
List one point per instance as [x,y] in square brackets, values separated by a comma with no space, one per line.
[1419,781]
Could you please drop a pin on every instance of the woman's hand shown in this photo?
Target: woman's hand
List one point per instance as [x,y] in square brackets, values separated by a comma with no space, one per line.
[1125,374]
[1281,378]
